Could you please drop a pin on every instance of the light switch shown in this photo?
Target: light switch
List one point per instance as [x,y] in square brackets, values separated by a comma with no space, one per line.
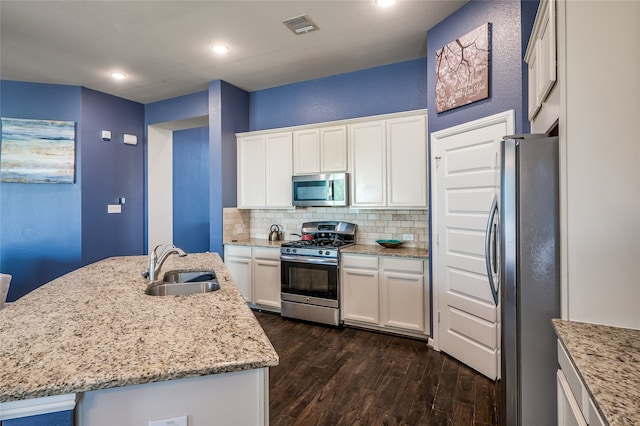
[176,421]
[106,135]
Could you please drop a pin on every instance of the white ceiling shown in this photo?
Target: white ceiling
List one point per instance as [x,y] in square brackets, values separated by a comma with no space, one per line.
[163,46]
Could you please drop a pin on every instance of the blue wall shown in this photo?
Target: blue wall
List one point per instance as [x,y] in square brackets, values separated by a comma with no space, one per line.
[111,170]
[47,230]
[180,108]
[228,115]
[60,418]
[40,224]
[228,110]
[191,189]
[380,90]
[505,88]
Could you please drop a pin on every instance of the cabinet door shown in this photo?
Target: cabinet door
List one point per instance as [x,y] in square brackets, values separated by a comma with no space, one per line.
[359,281]
[306,151]
[251,171]
[240,270]
[360,296]
[266,283]
[569,413]
[333,149]
[367,155]
[402,294]
[407,162]
[279,168]
[532,66]
[546,47]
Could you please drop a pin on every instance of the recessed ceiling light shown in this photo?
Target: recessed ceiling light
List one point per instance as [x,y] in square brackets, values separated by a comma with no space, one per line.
[118,75]
[386,3]
[220,48]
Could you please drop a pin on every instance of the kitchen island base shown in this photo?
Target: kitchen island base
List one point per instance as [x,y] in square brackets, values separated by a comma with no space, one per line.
[239,397]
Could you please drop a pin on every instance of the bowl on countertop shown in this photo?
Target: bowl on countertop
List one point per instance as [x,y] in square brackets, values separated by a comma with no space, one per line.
[390,243]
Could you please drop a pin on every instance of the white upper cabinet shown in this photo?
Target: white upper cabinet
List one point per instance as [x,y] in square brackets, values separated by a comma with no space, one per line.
[367,150]
[407,162]
[320,150]
[333,149]
[264,171]
[306,151]
[251,171]
[389,163]
[386,156]
[541,56]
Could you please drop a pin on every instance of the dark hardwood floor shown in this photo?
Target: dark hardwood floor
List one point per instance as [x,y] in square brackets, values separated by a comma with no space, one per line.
[346,376]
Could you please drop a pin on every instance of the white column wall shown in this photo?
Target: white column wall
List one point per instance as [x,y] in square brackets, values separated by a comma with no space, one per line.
[599,130]
[160,186]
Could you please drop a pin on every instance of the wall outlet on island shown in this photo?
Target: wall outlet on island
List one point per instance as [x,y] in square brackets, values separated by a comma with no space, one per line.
[176,421]
[407,237]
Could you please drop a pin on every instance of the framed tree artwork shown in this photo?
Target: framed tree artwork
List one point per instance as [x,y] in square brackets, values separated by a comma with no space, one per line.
[462,70]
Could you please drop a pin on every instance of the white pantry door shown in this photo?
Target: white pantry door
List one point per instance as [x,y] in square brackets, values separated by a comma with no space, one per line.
[466,170]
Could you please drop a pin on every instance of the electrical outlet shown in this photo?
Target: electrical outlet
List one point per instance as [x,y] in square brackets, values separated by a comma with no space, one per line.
[175,421]
[239,231]
[407,237]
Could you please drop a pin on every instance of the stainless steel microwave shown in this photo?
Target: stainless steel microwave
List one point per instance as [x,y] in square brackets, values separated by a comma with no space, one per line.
[321,190]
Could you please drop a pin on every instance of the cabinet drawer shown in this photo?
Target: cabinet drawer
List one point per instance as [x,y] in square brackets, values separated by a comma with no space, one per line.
[238,251]
[359,262]
[402,265]
[266,253]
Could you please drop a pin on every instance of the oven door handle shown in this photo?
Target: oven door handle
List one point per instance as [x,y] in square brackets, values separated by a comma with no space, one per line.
[308,259]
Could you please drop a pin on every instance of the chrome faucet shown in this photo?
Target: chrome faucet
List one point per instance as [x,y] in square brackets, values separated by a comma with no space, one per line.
[156,260]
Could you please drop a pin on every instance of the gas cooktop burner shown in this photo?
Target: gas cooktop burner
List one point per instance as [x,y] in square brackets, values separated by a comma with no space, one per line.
[328,238]
[318,242]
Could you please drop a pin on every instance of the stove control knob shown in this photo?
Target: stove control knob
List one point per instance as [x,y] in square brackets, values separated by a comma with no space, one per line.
[320,252]
[294,251]
[327,252]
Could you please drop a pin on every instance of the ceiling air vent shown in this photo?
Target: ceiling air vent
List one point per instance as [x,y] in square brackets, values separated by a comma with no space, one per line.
[300,24]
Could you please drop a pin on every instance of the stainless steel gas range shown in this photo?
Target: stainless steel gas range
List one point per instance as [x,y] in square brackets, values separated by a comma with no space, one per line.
[310,268]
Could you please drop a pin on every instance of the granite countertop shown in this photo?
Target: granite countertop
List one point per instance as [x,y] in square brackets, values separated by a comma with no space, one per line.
[354,249]
[95,328]
[255,242]
[608,361]
[383,251]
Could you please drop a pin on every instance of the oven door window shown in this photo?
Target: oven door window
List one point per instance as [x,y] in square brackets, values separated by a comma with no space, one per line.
[310,279]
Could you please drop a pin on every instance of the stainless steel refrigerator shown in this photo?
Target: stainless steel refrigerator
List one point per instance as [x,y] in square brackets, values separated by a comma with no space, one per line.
[523,255]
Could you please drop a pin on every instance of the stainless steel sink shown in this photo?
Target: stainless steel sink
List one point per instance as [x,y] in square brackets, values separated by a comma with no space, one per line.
[189,276]
[177,283]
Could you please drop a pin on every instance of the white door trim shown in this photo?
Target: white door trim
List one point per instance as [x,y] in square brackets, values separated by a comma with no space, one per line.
[507,117]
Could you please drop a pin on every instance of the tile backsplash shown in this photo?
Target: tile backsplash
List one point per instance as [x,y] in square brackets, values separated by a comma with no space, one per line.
[372,224]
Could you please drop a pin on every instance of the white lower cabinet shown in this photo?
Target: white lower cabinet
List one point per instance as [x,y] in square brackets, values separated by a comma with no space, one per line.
[403,294]
[266,278]
[360,299]
[575,406]
[238,261]
[385,293]
[256,272]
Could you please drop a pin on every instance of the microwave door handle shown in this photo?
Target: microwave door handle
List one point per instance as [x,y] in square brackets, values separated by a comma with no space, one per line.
[330,196]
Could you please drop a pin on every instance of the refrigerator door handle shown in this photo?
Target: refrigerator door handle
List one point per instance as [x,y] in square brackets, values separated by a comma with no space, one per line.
[487,249]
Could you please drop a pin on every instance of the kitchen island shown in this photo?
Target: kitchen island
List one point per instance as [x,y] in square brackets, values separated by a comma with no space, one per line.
[605,365]
[95,333]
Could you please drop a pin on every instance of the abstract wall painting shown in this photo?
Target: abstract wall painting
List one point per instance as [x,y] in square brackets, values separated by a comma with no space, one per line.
[37,151]
[462,70]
